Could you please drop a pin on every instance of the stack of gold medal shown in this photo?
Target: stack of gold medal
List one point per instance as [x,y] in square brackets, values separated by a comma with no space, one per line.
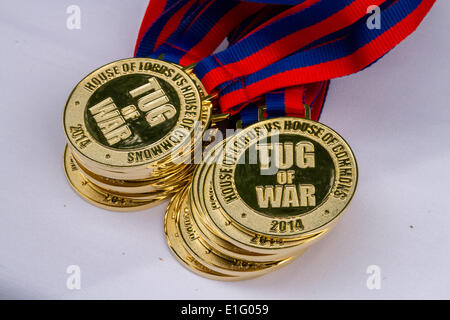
[132,127]
[260,198]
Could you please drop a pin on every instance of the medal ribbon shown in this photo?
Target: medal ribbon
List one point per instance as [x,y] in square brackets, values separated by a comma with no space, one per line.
[283,51]
[359,48]
[287,101]
[203,27]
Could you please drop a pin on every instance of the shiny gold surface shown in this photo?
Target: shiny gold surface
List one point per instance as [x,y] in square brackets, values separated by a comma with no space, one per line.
[222,216]
[212,257]
[100,197]
[257,201]
[194,253]
[177,247]
[132,127]
[117,118]
[297,186]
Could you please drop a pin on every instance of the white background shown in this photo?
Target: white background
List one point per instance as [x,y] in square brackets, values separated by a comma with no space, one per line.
[395,115]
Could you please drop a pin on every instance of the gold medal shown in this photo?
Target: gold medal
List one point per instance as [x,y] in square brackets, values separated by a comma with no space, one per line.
[133,125]
[264,195]
[100,197]
[287,177]
[132,113]
[137,186]
[204,199]
[211,259]
[177,247]
[258,200]
[276,247]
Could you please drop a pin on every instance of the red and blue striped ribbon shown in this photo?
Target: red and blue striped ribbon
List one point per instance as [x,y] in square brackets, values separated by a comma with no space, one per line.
[203,27]
[284,102]
[155,9]
[211,23]
[283,51]
[286,2]
[171,15]
[290,101]
[294,29]
[354,52]
[254,22]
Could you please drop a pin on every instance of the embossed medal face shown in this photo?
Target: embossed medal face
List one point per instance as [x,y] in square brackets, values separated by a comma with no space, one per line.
[132,112]
[207,210]
[285,177]
[263,196]
[279,194]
